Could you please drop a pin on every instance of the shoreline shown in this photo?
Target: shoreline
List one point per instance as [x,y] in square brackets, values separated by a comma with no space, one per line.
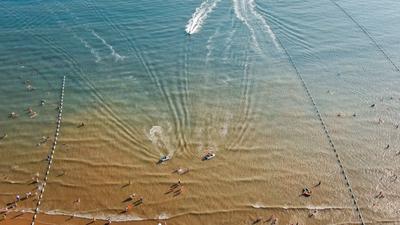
[23,218]
[19,218]
[297,214]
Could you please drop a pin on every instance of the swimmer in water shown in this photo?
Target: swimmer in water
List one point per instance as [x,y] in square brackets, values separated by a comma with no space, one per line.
[4,136]
[13,115]
[306,192]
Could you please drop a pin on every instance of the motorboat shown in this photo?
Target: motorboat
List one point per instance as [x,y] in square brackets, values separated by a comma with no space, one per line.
[208,156]
[164,158]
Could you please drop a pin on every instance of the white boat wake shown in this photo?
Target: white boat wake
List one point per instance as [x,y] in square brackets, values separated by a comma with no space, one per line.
[200,15]
[263,22]
[93,51]
[113,52]
[245,11]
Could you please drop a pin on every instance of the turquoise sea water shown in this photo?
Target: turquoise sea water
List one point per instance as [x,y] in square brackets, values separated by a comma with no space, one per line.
[150,78]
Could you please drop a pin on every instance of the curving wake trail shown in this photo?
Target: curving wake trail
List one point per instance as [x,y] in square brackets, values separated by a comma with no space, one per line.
[200,15]
[245,11]
[113,52]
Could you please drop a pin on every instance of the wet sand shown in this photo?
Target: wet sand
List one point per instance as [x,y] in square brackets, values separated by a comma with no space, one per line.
[289,216]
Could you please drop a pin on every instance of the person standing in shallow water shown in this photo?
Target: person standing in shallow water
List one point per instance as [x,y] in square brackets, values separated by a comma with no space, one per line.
[132,196]
[108,221]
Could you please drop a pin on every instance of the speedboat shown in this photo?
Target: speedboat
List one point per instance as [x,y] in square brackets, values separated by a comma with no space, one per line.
[208,156]
[164,158]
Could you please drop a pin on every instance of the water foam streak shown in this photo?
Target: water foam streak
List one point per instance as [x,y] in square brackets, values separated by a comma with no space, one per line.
[263,22]
[209,45]
[93,51]
[113,52]
[245,11]
[200,15]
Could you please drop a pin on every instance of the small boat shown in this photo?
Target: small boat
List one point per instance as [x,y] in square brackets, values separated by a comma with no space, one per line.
[164,158]
[181,171]
[208,156]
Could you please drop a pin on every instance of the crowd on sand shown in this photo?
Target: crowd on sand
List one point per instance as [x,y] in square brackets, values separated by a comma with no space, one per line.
[133,200]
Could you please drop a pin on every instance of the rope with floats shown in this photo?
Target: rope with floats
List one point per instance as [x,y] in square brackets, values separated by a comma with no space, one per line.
[51,155]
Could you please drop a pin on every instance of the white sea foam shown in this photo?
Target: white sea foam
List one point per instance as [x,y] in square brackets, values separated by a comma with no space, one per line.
[113,52]
[115,218]
[155,134]
[209,44]
[263,22]
[96,214]
[259,205]
[93,51]
[200,15]
[240,9]
[245,11]
[236,8]
[163,216]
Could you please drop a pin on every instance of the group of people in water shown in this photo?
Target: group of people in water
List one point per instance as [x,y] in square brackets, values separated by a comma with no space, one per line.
[32,114]
[14,204]
[273,220]
[133,202]
[176,188]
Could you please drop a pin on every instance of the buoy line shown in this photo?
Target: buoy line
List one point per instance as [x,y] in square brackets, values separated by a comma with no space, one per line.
[326,131]
[365,31]
[51,155]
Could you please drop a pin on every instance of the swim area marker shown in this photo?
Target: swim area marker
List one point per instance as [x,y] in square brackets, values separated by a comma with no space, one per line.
[326,131]
[365,31]
[51,155]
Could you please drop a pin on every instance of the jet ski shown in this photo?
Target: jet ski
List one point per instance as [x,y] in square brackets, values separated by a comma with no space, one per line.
[164,159]
[208,156]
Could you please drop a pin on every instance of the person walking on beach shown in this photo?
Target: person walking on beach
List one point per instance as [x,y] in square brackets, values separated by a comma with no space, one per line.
[108,221]
[127,208]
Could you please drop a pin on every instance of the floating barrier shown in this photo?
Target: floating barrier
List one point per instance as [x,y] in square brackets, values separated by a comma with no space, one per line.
[51,156]
[326,131]
[365,31]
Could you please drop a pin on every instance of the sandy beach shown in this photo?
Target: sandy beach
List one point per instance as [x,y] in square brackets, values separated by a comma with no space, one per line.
[200,112]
